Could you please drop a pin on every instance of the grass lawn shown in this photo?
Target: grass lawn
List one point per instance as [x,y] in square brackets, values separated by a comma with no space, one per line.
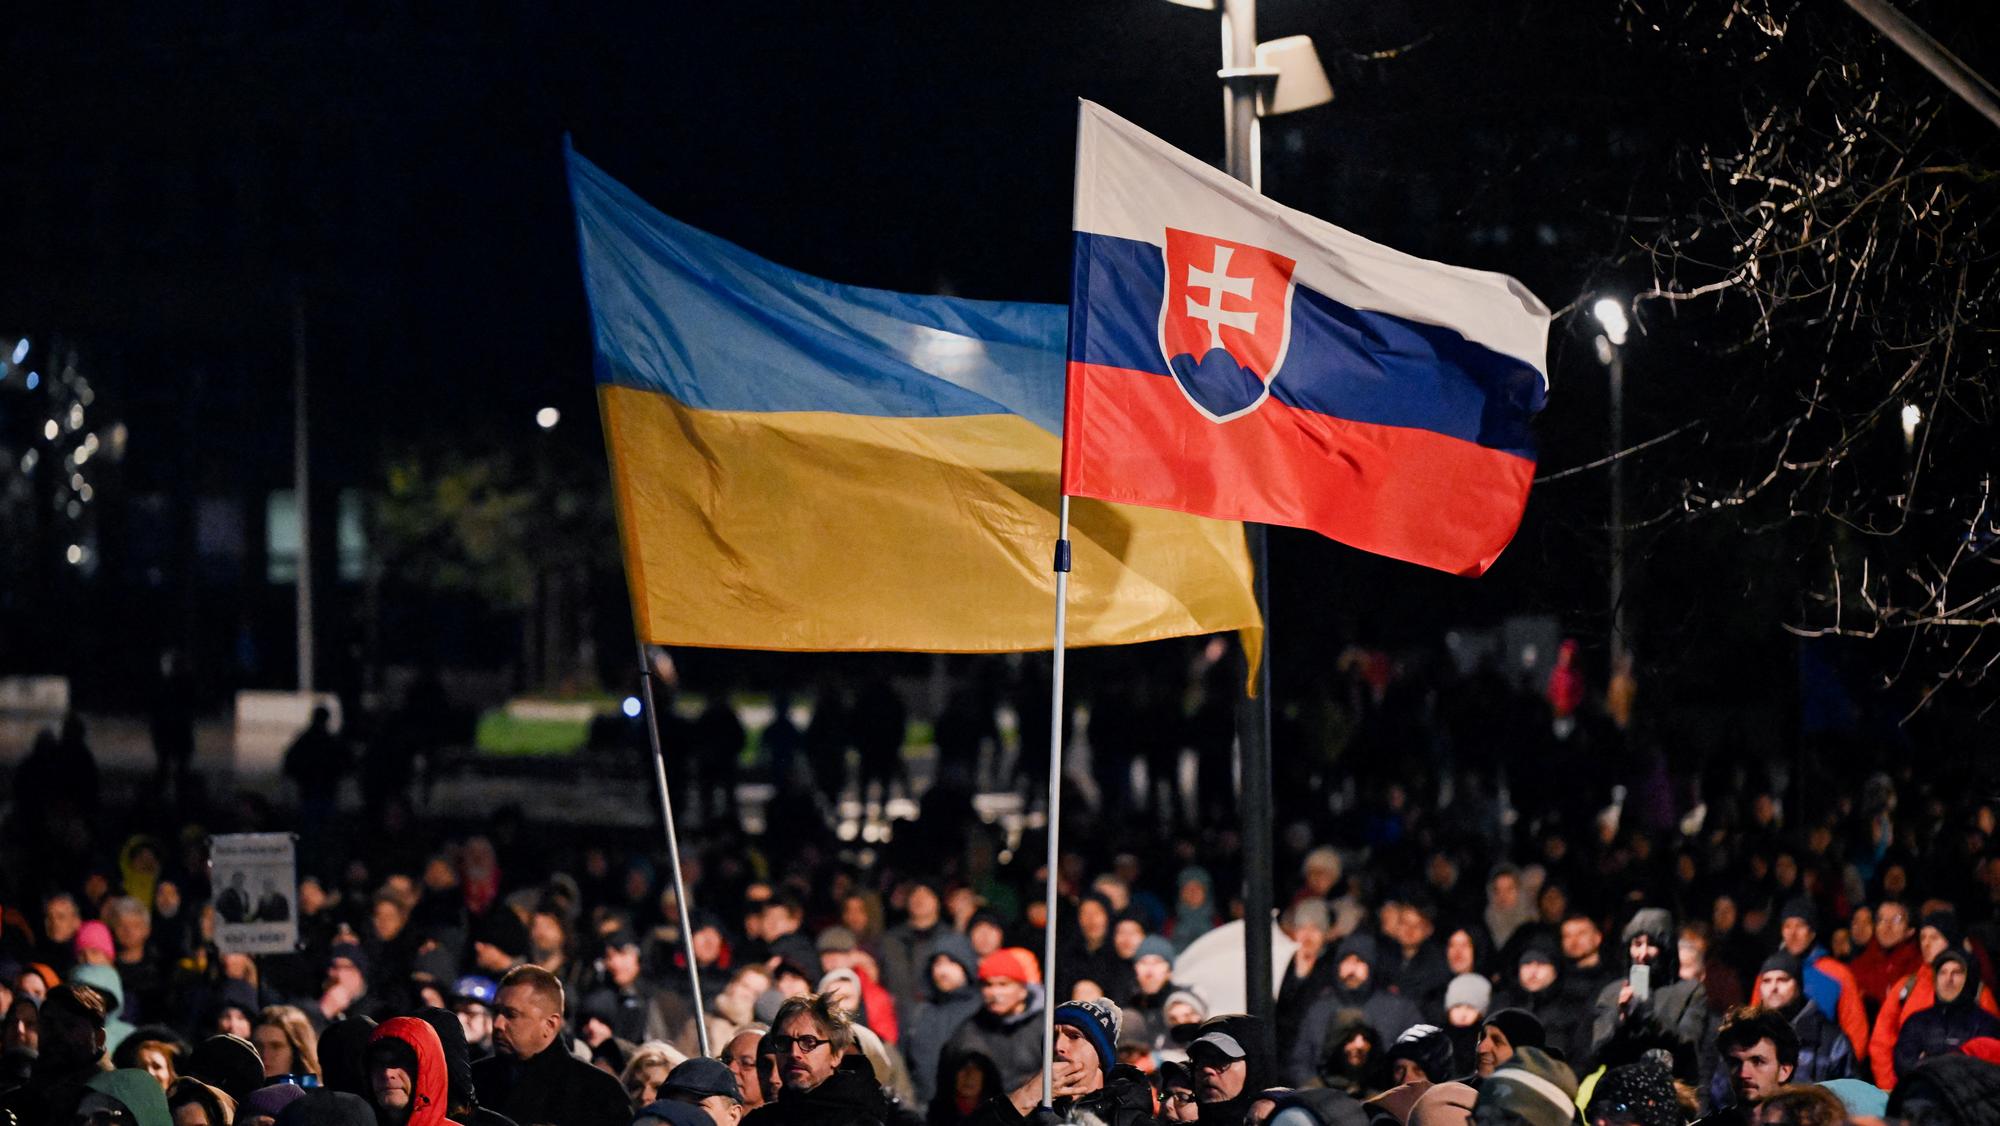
[501,734]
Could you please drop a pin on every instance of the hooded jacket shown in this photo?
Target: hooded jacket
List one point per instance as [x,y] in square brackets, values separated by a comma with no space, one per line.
[1013,1043]
[1259,1054]
[138,1092]
[461,1101]
[940,1015]
[1905,1000]
[1966,1089]
[1676,1017]
[1941,1028]
[430,1082]
[105,980]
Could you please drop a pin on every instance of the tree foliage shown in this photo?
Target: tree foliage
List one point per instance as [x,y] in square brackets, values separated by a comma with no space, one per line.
[1828,259]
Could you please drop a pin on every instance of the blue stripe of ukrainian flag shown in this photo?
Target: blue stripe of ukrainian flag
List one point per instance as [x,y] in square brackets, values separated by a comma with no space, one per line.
[810,466]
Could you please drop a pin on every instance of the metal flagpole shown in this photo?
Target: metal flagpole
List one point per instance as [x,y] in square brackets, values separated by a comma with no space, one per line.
[1240,80]
[673,846]
[1056,726]
[302,490]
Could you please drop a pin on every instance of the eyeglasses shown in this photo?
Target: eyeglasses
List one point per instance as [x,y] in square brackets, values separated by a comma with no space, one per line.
[1181,1098]
[806,1045]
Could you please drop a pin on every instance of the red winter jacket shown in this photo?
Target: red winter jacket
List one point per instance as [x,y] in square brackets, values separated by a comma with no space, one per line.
[430,1081]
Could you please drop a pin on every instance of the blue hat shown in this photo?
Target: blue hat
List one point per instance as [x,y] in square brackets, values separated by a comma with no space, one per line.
[1153,946]
[1099,1020]
[473,987]
[1861,1098]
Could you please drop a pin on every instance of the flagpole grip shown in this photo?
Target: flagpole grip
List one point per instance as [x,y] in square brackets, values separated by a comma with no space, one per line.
[1062,557]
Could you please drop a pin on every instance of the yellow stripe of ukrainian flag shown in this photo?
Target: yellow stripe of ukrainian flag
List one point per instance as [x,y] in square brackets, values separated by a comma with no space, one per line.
[806,530]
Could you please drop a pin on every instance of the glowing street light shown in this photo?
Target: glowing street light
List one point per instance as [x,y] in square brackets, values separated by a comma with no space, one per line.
[547,417]
[1610,312]
[1912,416]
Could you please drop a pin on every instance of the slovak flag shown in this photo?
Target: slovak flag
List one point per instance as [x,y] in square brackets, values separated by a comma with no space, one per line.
[1235,358]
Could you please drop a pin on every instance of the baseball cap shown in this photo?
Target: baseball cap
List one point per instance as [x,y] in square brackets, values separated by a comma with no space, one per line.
[702,1077]
[1216,1043]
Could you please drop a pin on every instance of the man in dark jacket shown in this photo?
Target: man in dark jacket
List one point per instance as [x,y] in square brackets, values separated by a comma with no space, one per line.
[1413,965]
[1952,1019]
[1233,1061]
[1824,1051]
[72,1046]
[1537,990]
[1008,1028]
[1759,1053]
[1354,991]
[811,1035]
[624,994]
[1674,1014]
[530,1078]
[951,999]
[906,949]
[1086,1077]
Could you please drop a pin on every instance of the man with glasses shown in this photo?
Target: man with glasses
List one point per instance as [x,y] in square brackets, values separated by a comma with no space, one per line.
[812,1037]
[1177,1102]
[740,1057]
[1889,957]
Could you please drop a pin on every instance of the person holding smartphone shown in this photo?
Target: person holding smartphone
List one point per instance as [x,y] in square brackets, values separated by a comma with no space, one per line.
[1654,1006]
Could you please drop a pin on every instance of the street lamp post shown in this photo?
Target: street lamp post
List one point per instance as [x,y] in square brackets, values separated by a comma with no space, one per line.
[1611,318]
[1258,80]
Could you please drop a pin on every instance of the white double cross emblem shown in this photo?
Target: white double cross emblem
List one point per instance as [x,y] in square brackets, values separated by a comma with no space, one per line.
[1219,282]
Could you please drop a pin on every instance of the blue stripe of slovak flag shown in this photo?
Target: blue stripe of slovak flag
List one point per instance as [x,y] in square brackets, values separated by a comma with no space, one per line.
[1350,363]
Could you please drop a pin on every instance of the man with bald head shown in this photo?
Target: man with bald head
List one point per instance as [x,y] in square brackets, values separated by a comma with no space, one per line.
[531,1076]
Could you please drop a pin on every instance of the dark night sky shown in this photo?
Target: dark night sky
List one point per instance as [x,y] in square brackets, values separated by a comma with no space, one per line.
[170,173]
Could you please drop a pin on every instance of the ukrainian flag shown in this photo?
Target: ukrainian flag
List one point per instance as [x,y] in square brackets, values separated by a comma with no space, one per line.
[802,465]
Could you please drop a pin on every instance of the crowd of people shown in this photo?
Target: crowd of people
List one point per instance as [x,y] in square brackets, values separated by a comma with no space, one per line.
[1533,920]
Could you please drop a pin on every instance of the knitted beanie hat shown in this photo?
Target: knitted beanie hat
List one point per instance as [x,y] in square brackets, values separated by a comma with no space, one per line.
[1522,1028]
[1468,989]
[1536,1087]
[1427,1046]
[1099,1020]
[1641,1092]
